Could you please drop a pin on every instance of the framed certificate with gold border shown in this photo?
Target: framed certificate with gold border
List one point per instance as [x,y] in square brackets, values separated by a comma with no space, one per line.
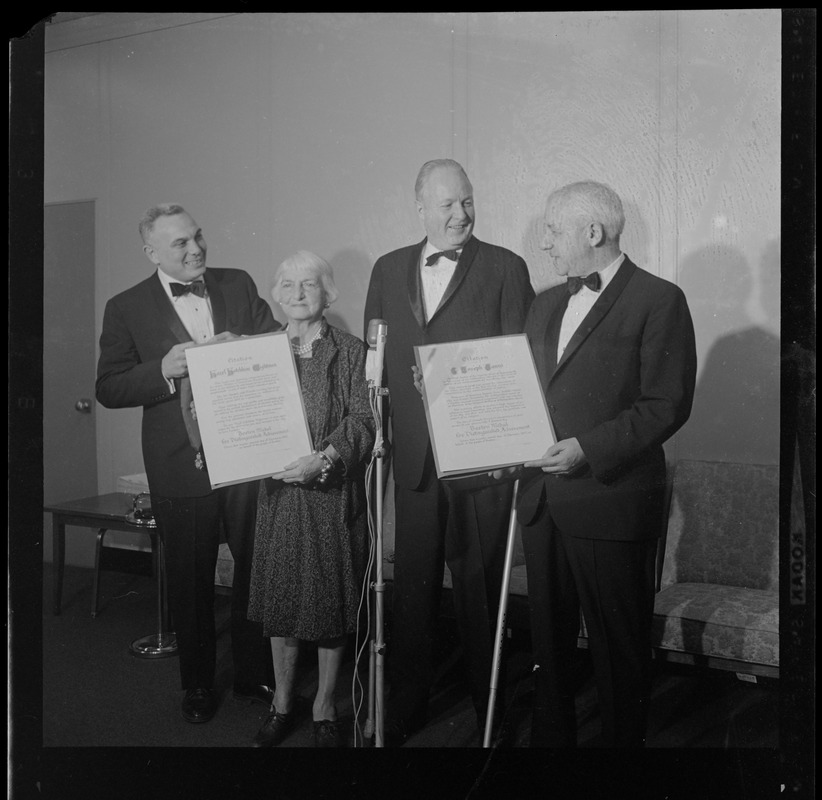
[249,407]
[484,404]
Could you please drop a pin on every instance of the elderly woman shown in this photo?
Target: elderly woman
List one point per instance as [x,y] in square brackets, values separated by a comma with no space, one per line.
[310,546]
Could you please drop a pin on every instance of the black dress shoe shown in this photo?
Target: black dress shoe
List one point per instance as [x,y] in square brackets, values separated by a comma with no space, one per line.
[199,705]
[254,693]
[275,729]
[328,734]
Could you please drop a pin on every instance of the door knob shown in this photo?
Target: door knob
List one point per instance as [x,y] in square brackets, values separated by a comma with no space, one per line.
[83,405]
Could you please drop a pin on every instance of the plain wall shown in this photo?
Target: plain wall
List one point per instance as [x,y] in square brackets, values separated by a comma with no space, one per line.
[281,132]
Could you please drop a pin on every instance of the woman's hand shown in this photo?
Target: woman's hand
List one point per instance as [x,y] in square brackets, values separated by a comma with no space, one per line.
[304,470]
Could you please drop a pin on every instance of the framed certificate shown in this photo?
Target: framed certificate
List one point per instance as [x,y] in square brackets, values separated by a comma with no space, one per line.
[484,404]
[249,407]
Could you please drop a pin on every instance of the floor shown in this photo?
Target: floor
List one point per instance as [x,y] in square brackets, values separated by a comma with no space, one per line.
[108,725]
[87,657]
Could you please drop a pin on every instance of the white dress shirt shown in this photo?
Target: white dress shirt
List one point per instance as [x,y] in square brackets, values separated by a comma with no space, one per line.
[582,302]
[194,312]
[435,279]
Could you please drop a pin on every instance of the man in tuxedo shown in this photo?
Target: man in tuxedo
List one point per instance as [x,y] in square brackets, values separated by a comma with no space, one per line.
[146,332]
[448,287]
[614,349]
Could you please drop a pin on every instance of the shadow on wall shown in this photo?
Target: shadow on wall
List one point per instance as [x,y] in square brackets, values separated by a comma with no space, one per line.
[352,273]
[636,242]
[736,405]
[540,267]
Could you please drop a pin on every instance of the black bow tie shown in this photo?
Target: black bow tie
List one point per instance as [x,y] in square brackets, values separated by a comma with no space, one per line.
[452,255]
[592,281]
[198,288]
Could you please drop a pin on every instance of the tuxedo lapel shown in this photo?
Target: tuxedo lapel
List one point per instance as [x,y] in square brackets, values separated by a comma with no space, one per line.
[610,294]
[550,340]
[217,300]
[466,258]
[167,312]
[414,284]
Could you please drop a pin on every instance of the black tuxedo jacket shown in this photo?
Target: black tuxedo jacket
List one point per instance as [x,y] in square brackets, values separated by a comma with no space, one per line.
[140,326]
[623,386]
[489,295]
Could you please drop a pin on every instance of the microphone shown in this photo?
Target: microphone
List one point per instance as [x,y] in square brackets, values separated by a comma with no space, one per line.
[375,358]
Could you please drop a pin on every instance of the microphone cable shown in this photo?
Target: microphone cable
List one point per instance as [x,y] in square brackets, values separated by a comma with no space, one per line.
[358,693]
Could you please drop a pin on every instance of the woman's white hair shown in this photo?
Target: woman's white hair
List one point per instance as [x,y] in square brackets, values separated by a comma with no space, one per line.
[304,259]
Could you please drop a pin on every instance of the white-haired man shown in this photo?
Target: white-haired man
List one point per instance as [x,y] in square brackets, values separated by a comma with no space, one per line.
[614,348]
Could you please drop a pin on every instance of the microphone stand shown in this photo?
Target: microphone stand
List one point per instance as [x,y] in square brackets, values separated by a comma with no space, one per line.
[501,615]
[376,665]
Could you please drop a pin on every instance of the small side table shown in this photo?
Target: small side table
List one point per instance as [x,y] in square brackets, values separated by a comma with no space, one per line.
[109,512]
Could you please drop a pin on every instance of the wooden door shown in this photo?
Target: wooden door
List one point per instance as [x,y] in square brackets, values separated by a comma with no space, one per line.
[69,364]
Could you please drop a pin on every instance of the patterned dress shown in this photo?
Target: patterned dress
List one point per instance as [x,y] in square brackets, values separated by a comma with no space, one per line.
[311,541]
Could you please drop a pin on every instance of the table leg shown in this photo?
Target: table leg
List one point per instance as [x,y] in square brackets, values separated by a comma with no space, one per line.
[58,550]
[95,591]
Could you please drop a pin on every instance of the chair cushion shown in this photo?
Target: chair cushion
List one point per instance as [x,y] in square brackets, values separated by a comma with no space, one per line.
[713,620]
[723,525]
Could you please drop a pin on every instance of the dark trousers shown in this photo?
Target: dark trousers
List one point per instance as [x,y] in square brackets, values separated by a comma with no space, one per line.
[467,530]
[613,583]
[191,527]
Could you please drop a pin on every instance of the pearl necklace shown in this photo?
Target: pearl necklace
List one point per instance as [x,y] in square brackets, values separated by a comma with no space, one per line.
[305,349]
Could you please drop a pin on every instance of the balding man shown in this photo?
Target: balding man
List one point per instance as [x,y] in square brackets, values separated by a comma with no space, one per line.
[146,332]
[448,287]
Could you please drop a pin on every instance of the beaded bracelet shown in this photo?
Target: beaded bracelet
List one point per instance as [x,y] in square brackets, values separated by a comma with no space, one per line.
[328,465]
